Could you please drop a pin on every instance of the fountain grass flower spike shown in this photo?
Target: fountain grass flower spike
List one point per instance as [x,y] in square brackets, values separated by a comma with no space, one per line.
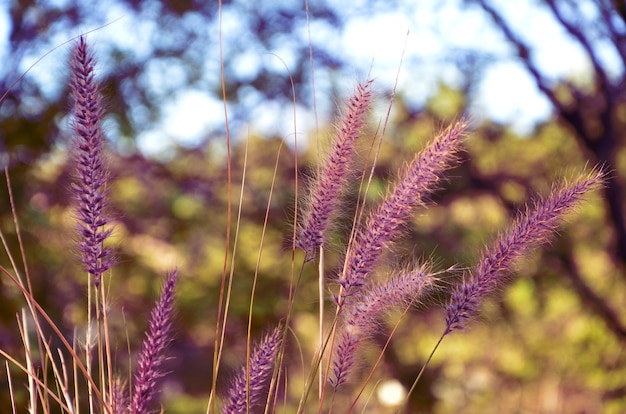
[91,171]
[158,337]
[419,180]
[534,227]
[333,175]
[248,390]
[361,320]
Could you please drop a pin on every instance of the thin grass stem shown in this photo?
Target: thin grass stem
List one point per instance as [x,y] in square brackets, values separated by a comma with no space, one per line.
[40,311]
[36,380]
[258,266]
[10,386]
[219,335]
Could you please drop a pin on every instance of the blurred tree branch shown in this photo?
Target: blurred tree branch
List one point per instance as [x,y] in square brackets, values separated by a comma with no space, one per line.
[592,114]
[170,50]
[591,298]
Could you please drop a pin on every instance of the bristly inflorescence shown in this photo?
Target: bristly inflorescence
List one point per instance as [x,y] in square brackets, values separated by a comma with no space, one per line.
[419,180]
[249,388]
[359,320]
[153,354]
[92,173]
[120,401]
[327,188]
[531,229]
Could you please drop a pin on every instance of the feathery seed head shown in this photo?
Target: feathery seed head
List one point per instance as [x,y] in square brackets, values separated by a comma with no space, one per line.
[532,228]
[360,318]
[327,187]
[419,180]
[153,354]
[120,403]
[262,364]
[91,171]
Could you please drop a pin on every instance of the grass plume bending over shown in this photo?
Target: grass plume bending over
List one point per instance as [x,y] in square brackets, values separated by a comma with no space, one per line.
[535,226]
[359,320]
[363,296]
[383,227]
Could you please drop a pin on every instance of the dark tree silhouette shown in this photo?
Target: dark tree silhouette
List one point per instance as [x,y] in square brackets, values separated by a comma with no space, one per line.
[175,35]
[595,115]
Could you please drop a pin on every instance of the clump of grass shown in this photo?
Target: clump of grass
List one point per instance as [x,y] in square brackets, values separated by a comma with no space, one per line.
[360,300]
[105,392]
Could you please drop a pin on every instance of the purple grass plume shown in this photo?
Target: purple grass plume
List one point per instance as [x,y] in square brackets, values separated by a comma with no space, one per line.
[531,229]
[419,180]
[91,171]
[153,354]
[324,196]
[359,320]
[262,364]
[120,401]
